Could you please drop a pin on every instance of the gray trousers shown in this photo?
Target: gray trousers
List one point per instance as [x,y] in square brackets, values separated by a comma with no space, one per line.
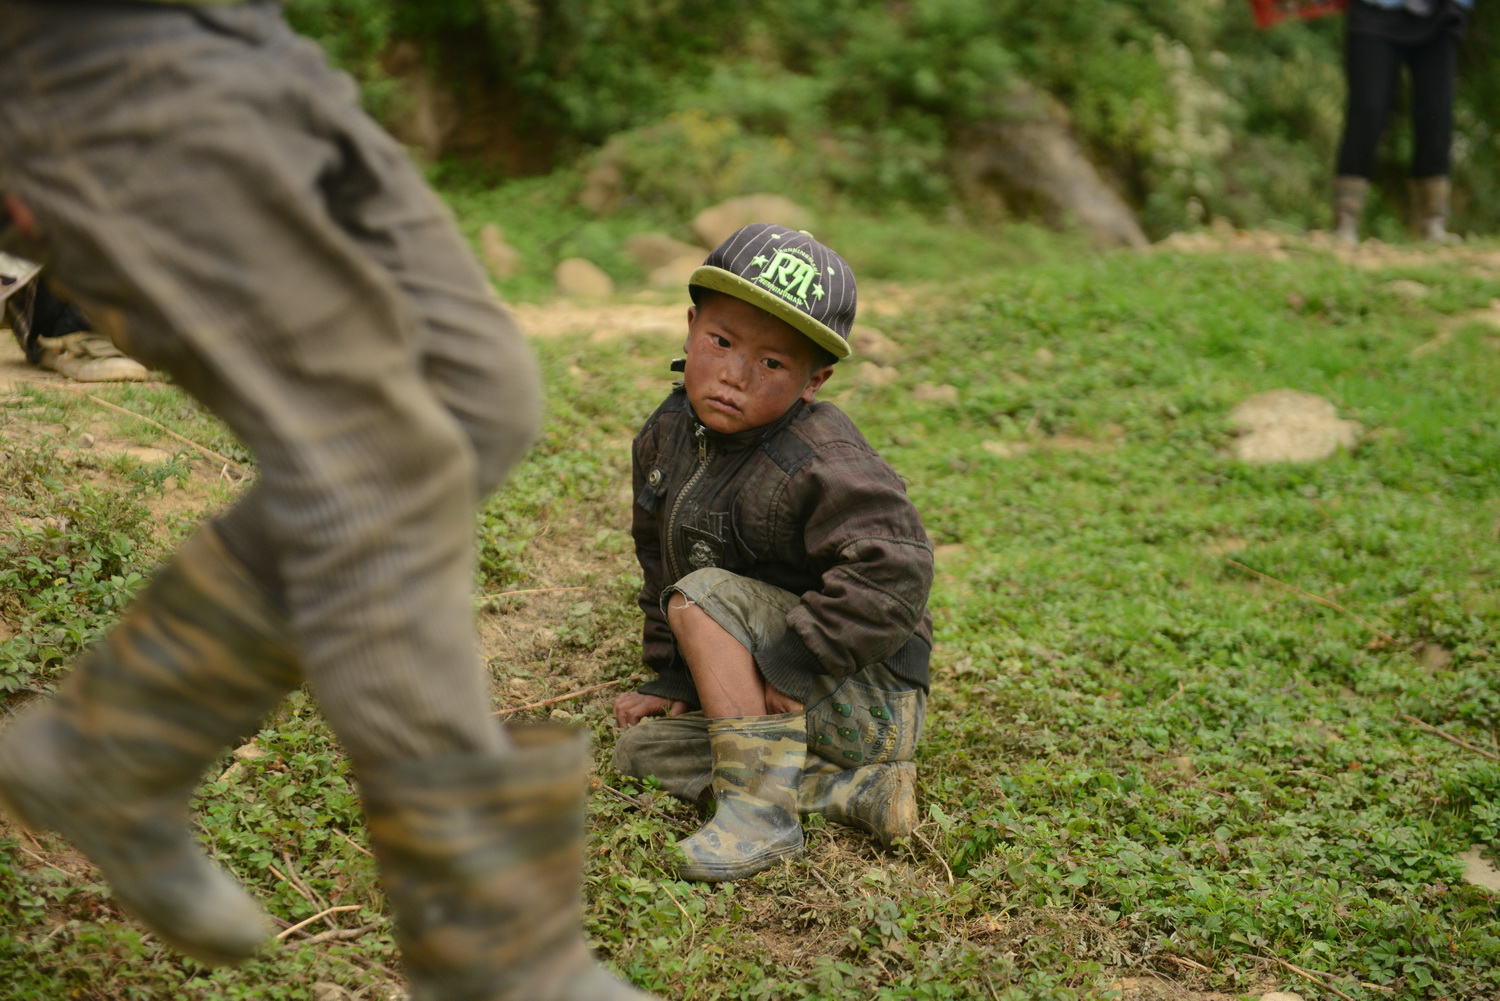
[209,190]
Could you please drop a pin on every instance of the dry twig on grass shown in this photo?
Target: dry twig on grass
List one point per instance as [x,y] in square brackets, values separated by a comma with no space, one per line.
[1321,979]
[631,800]
[1314,597]
[530,590]
[317,917]
[227,462]
[1449,737]
[561,698]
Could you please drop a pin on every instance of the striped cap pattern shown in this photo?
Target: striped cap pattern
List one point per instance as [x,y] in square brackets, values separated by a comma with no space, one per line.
[788,274]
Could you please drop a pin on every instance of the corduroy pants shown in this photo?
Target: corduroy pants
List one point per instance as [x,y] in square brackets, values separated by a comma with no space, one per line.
[211,193]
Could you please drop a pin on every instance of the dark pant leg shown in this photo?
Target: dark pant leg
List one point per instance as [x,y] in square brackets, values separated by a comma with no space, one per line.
[1372,68]
[1434,74]
[186,172]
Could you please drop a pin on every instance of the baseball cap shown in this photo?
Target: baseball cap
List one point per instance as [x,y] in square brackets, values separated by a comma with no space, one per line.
[788,274]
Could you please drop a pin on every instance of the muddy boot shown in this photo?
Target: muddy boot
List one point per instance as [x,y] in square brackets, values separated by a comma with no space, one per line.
[878,799]
[757,767]
[1431,197]
[1349,193]
[672,749]
[112,761]
[482,860]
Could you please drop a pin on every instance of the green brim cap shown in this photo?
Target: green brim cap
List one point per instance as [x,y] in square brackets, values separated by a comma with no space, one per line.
[789,275]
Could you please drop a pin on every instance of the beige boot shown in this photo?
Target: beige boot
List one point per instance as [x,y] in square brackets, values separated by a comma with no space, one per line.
[482,858]
[112,761]
[757,770]
[1431,197]
[879,799]
[1349,194]
[89,357]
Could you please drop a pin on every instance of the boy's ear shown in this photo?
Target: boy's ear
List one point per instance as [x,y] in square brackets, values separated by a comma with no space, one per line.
[815,382]
[692,318]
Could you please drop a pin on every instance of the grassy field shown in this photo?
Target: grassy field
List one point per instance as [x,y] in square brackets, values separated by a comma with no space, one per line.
[1195,728]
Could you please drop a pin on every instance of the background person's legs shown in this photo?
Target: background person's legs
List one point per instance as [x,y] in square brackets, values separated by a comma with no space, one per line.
[1372,69]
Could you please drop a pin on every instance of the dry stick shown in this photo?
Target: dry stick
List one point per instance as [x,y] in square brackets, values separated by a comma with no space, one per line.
[321,914]
[1309,974]
[228,463]
[923,838]
[338,934]
[642,806]
[560,698]
[1315,597]
[294,884]
[1188,963]
[291,871]
[531,590]
[355,845]
[1448,736]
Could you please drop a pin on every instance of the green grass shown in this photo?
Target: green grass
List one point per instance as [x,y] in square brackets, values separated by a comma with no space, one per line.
[1141,757]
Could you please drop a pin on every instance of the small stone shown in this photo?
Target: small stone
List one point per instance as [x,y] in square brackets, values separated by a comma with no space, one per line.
[1281,996]
[653,250]
[1004,449]
[675,274]
[1407,289]
[713,225]
[582,279]
[85,440]
[1044,356]
[877,375]
[503,260]
[872,343]
[249,752]
[1287,425]
[1478,870]
[928,393]
[1184,766]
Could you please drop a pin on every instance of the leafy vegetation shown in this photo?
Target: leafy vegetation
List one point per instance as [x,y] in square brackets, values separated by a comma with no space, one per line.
[1177,722]
[1199,115]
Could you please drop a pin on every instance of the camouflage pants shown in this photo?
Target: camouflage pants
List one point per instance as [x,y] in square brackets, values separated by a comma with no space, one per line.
[212,195]
[868,718]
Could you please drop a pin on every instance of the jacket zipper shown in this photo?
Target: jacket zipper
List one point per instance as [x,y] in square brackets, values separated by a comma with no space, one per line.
[705,454]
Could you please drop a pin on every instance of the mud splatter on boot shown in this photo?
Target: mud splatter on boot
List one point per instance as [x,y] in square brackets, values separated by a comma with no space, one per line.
[879,799]
[758,764]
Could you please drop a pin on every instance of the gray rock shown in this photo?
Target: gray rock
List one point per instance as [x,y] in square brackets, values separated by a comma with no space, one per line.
[582,279]
[675,273]
[1287,425]
[503,260]
[1028,157]
[655,250]
[872,343]
[713,225]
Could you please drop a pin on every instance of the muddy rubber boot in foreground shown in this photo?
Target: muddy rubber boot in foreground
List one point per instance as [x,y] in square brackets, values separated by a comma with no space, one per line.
[482,861]
[1349,193]
[1431,196]
[757,769]
[111,762]
[879,799]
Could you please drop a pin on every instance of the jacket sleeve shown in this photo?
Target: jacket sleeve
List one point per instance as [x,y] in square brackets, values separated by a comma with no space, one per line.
[858,523]
[658,648]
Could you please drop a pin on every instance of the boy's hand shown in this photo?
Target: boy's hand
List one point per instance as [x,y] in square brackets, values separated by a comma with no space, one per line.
[632,707]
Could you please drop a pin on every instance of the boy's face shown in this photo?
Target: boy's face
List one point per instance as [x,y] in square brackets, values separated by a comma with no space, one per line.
[745,367]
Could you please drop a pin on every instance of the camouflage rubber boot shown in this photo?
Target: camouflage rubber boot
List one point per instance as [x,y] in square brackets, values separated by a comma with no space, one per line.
[879,799]
[674,750]
[482,860]
[1349,193]
[111,762]
[757,768]
[1431,196]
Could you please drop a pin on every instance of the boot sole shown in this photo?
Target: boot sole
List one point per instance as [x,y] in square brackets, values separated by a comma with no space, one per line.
[724,872]
[211,956]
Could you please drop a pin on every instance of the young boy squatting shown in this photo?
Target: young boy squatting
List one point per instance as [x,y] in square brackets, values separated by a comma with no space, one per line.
[786,573]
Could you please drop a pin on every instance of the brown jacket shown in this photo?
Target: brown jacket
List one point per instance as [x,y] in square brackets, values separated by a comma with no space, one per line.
[803,503]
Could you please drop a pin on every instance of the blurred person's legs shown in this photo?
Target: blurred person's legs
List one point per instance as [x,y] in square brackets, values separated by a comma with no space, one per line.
[1372,69]
[1434,78]
[215,198]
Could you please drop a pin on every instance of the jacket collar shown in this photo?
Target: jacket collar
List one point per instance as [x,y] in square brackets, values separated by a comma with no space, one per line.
[750,437]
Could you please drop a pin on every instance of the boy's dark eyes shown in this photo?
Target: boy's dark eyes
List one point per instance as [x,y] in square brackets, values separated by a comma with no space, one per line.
[773,363]
[719,341]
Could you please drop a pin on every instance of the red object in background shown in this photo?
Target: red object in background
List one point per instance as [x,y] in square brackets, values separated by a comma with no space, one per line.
[1269,12]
